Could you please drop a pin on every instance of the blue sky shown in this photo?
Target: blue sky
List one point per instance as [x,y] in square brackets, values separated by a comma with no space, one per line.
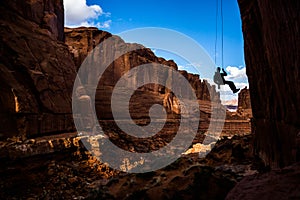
[196,19]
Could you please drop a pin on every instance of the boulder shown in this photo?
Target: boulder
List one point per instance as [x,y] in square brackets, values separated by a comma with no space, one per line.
[277,184]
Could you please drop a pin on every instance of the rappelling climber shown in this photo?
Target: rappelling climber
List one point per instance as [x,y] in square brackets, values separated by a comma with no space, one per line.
[219,80]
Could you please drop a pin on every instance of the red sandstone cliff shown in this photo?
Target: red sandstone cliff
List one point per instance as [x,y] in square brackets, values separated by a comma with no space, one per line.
[244,103]
[82,40]
[37,70]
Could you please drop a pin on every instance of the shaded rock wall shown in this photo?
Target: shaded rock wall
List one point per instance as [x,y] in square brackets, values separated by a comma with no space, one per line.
[271,35]
[36,69]
[47,14]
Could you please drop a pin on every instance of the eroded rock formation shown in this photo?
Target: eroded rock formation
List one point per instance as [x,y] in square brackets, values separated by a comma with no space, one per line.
[81,41]
[37,70]
[244,103]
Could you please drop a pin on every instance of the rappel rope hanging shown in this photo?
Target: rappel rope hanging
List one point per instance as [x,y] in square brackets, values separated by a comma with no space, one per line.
[219,76]
[216,31]
[222,32]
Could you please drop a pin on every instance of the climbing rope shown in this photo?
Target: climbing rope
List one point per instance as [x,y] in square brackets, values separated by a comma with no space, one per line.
[222,32]
[216,39]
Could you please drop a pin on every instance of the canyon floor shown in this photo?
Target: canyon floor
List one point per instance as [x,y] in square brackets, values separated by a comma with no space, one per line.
[71,172]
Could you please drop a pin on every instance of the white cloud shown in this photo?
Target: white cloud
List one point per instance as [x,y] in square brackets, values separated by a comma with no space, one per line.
[226,93]
[105,24]
[78,13]
[237,74]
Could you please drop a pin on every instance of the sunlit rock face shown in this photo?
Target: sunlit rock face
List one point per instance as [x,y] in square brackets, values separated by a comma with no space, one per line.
[104,47]
[271,35]
[81,41]
[90,45]
[37,70]
[244,103]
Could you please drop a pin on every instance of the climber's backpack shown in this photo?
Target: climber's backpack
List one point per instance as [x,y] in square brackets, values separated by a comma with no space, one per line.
[218,79]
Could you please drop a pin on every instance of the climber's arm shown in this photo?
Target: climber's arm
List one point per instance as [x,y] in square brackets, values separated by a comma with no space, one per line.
[224,72]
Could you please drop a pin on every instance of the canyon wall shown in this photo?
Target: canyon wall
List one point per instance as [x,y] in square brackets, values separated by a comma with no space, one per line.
[272,49]
[46,14]
[81,41]
[36,69]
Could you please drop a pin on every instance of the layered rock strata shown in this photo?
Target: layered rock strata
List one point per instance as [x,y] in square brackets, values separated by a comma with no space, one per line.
[37,70]
[81,41]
